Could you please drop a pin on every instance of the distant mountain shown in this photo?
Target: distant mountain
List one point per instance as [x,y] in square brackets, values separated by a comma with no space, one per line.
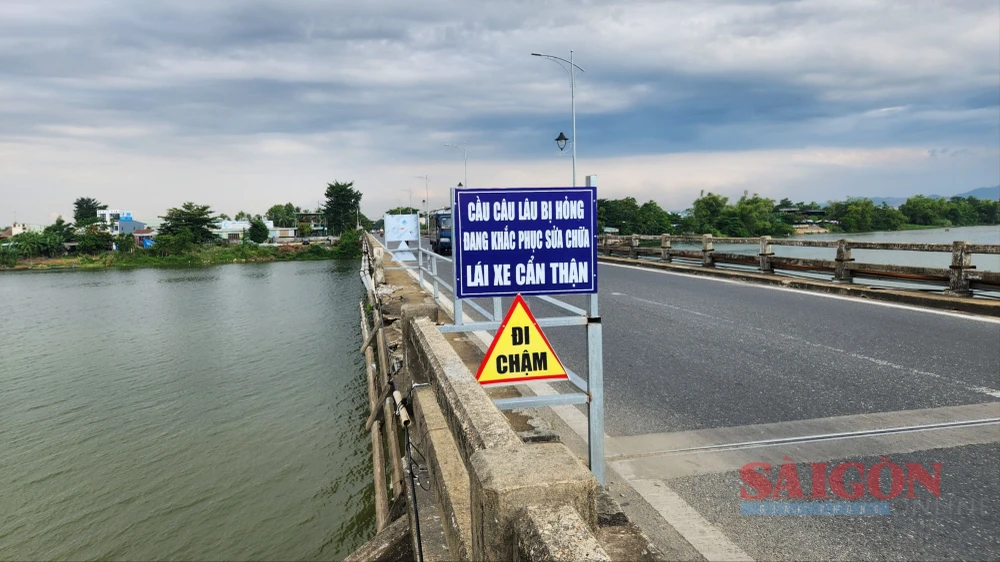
[980,193]
[984,193]
[893,201]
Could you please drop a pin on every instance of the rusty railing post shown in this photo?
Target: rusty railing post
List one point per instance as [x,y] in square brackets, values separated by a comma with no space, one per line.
[633,250]
[665,248]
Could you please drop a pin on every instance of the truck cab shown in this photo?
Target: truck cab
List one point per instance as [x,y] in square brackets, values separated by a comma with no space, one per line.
[441,233]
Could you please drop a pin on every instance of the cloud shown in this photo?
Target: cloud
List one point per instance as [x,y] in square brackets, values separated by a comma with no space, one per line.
[321,90]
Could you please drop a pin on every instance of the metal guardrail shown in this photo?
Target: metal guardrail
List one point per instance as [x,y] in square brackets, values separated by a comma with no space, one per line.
[961,277]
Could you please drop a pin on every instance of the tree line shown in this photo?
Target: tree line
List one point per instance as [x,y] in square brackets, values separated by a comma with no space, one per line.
[752,216]
[183,229]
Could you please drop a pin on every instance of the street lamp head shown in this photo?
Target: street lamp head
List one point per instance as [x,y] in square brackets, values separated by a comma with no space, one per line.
[536,54]
[561,141]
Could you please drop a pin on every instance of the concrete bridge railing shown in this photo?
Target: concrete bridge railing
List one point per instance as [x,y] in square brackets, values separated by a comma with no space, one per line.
[498,497]
[961,278]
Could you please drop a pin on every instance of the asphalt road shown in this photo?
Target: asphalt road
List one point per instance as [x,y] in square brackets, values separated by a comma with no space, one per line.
[685,353]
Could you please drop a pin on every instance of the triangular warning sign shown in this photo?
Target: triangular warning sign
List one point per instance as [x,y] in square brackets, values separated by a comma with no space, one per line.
[519,352]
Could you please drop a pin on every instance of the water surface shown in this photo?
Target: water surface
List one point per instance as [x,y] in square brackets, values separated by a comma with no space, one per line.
[195,414]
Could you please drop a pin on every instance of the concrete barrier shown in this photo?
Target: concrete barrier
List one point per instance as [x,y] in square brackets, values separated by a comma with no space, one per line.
[495,476]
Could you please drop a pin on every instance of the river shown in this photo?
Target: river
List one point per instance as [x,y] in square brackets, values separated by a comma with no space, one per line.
[185,414]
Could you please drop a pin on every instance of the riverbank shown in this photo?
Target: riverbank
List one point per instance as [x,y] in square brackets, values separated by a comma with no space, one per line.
[202,256]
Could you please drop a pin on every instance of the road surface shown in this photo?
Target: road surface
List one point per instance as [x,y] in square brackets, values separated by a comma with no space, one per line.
[697,362]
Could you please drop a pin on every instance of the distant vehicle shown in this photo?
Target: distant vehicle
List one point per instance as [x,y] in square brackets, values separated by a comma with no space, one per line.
[441,233]
[305,241]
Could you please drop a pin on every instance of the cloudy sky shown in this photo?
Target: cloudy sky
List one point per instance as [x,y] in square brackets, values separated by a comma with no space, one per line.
[243,104]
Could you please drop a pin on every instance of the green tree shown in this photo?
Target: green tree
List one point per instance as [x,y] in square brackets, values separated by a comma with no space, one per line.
[706,212]
[94,241]
[622,214]
[197,220]
[859,214]
[887,218]
[986,211]
[86,207]
[180,242]
[282,215]
[224,217]
[400,211]
[258,231]
[305,229]
[64,230]
[28,244]
[242,216]
[93,236]
[652,219]
[923,210]
[125,243]
[342,202]
[8,255]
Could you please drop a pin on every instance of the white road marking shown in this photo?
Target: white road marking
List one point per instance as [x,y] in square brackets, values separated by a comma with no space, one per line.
[812,293]
[686,520]
[881,362]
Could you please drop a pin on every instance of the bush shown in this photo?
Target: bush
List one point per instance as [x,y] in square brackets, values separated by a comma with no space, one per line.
[8,256]
[349,247]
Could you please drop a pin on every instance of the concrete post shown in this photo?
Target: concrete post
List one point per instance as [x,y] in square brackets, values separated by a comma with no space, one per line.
[707,251]
[841,272]
[961,263]
[500,487]
[379,266]
[665,248]
[765,255]
[633,249]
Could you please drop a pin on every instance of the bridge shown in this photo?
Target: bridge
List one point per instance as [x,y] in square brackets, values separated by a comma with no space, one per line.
[706,374]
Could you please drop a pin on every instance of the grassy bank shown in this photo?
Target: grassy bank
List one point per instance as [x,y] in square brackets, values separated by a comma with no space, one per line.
[348,248]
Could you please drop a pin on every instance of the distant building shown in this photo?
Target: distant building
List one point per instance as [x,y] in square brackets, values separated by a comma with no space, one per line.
[276,232]
[317,221]
[20,228]
[234,231]
[119,221]
[144,237]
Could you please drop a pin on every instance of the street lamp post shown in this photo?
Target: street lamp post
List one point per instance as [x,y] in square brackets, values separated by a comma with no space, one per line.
[572,96]
[465,153]
[427,198]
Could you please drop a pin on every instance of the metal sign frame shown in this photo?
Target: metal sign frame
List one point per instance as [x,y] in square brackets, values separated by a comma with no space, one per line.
[589,392]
